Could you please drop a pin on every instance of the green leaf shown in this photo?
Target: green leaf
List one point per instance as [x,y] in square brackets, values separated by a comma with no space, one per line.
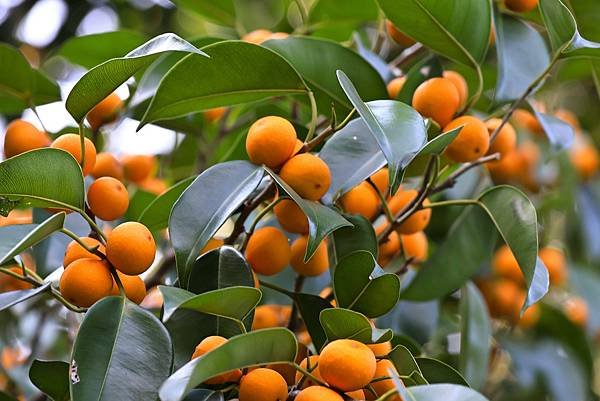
[52,378]
[220,268]
[21,85]
[91,50]
[11,235]
[221,12]
[233,303]
[361,236]
[255,348]
[399,130]
[310,307]
[457,29]
[38,234]
[205,205]
[345,323]
[522,57]
[428,68]
[317,60]
[322,220]
[560,134]
[475,336]
[328,20]
[360,284]
[103,79]
[539,285]
[42,178]
[403,361]
[434,147]
[156,215]
[236,72]
[436,371]
[204,395]
[11,298]
[122,352]
[446,392]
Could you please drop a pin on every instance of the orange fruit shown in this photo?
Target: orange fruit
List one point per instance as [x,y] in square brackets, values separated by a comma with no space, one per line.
[504,264]
[138,167]
[472,142]
[22,136]
[395,86]
[507,169]
[75,251]
[108,199]
[308,175]
[212,243]
[265,316]
[316,265]
[107,165]
[521,6]
[257,36]
[556,263]
[506,140]
[398,36]
[268,251]
[525,119]
[212,115]
[461,86]
[17,216]
[419,220]
[507,299]
[291,217]
[381,179]
[134,287]
[130,248]
[356,395]
[586,160]
[318,393]
[530,317]
[362,200]
[86,281]
[271,141]
[209,344]
[71,143]
[347,365]
[576,310]
[383,386]
[391,246]
[311,364]
[153,185]
[380,350]
[438,99]
[277,35]
[569,117]
[263,385]
[105,112]
[415,246]
[10,283]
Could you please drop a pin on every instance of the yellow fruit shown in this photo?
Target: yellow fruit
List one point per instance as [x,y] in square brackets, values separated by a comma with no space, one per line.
[318,393]
[380,350]
[86,281]
[461,86]
[75,251]
[107,165]
[521,6]
[556,263]
[576,309]
[398,37]
[71,143]
[22,136]
[263,385]
[395,86]
[291,218]
[419,220]
[415,246]
[472,142]
[137,168]
[506,140]
[383,386]
[209,344]
[316,265]
[108,199]
[308,175]
[268,251]
[504,264]
[271,141]
[134,287]
[347,365]
[438,99]
[105,112]
[265,316]
[362,200]
[130,248]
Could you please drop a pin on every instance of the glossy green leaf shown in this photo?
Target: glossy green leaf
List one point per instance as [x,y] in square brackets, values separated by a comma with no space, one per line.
[156,215]
[21,85]
[403,361]
[52,378]
[539,285]
[38,234]
[328,20]
[11,298]
[220,11]
[398,129]
[103,79]
[121,352]
[475,336]
[436,371]
[322,220]
[361,236]
[91,50]
[446,392]
[317,60]
[11,235]
[522,57]
[360,284]
[560,134]
[205,205]
[220,268]
[6,397]
[231,302]
[340,323]
[425,69]
[436,146]
[310,307]
[251,349]
[457,29]
[236,72]
[41,178]
[204,395]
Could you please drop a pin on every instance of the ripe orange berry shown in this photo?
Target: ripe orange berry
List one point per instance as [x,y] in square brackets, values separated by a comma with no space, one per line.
[506,140]
[134,287]
[277,35]
[527,120]
[257,36]
[291,217]
[438,99]
[415,246]
[86,281]
[153,185]
[107,165]
[108,199]
[461,86]
[362,200]
[398,36]
[507,169]
[356,395]
[504,264]
[347,365]
[507,299]
[586,160]
[419,220]
[138,167]
[381,387]
[529,153]
[318,393]
[316,265]
[209,344]
[71,143]
[9,283]
[212,243]
[268,251]
[390,247]
[381,179]
[569,117]
[265,316]
[311,364]
[271,141]
[263,385]
[22,136]
[521,6]
[395,86]
[576,310]
[75,251]
[472,142]
[380,350]
[105,112]
[17,216]
[130,248]
[308,175]
[212,115]
[530,317]
[556,263]
[327,294]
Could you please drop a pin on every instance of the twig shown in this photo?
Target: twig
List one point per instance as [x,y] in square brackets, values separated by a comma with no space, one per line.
[247,209]
[298,284]
[326,133]
[451,180]
[384,205]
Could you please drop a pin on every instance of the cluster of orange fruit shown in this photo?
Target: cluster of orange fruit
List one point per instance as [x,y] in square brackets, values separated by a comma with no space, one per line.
[344,368]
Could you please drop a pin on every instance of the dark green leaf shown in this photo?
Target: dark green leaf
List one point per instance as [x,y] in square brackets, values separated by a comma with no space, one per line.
[327,19]
[11,235]
[220,268]
[221,12]
[122,352]
[439,372]
[310,307]
[11,298]
[204,395]
[52,378]
[434,147]
[205,205]
[347,240]
[345,323]
[140,200]
[403,360]
[156,215]
[446,392]
[251,349]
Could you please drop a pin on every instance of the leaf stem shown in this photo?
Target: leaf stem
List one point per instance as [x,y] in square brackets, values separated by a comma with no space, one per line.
[384,204]
[258,218]
[75,237]
[308,374]
[92,224]
[314,113]
[34,110]
[82,143]
[277,288]
[454,202]
[303,12]
[387,395]
[451,180]
[327,132]
[479,91]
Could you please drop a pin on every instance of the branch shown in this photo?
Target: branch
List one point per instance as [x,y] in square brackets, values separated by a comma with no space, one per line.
[451,180]
[247,209]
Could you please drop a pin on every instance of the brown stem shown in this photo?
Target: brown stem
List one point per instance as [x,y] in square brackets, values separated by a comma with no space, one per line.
[247,209]
[298,284]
